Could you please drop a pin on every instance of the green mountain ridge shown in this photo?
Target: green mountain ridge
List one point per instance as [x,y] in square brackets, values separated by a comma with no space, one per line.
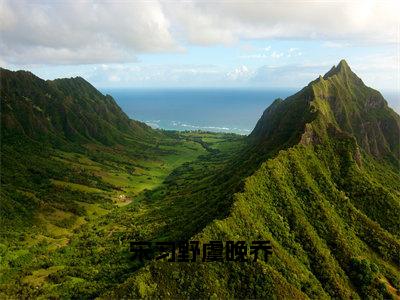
[318,176]
[62,110]
[339,99]
[326,195]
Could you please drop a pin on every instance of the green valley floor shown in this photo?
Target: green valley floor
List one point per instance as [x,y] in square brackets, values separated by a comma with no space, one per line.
[77,226]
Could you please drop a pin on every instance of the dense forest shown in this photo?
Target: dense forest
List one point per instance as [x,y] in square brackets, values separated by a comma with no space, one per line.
[318,177]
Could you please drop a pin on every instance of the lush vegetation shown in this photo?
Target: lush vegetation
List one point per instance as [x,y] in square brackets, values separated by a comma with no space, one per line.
[318,177]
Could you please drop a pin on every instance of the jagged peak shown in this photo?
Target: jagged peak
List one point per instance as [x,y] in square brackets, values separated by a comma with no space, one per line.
[72,79]
[343,64]
[19,73]
[341,69]
[339,98]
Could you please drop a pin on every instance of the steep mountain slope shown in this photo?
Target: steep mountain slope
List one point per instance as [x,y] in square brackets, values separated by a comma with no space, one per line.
[345,103]
[73,166]
[320,180]
[63,139]
[328,197]
[60,111]
[39,118]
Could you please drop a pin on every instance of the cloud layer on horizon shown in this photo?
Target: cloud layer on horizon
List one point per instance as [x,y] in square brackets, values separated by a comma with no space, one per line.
[90,32]
[81,32]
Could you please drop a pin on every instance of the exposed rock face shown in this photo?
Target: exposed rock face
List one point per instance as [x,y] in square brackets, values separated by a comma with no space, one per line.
[309,137]
[340,99]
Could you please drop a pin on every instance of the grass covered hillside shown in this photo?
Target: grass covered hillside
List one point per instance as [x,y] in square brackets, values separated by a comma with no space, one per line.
[60,111]
[70,159]
[318,177]
[345,103]
[62,139]
[327,202]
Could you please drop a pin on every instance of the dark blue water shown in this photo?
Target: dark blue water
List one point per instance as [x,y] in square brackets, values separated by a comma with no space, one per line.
[223,110]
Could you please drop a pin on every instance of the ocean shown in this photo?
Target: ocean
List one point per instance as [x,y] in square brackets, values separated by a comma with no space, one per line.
[219,110]
[234,110]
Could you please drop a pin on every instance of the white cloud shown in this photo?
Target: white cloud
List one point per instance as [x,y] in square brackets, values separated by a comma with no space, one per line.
[293,75]
[255,52]
[242,73]
[293,52]
[330,44]
[376,70]
[83,32]
[276,54]
[78,32]
[168,75]
[157,75]
[380,71]
[359,21]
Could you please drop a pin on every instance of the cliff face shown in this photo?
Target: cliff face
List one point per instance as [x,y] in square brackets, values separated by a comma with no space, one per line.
[360,111]
[319,179]
[325,193]
[339,99]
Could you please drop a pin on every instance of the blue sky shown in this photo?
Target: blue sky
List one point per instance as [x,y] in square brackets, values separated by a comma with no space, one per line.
[201,43]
